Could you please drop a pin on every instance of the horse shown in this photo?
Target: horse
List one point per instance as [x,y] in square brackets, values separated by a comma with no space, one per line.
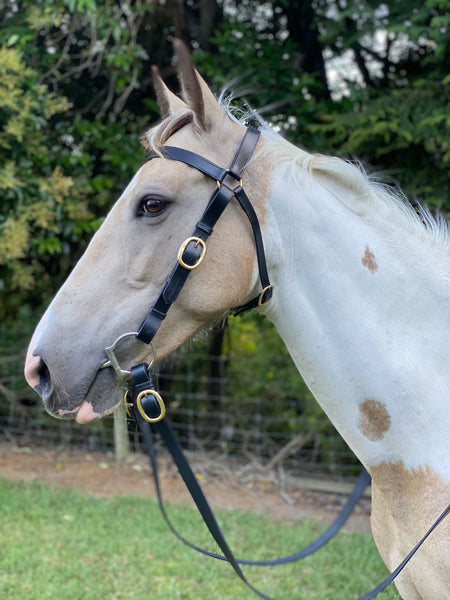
[361,289]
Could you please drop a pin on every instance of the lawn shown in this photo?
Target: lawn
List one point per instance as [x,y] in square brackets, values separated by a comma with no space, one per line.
[61,544]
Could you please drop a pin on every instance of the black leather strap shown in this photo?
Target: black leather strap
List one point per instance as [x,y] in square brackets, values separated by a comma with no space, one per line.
[179,275]
[244,153]
[196,492]
[195,160]
[247,207]
[191,482]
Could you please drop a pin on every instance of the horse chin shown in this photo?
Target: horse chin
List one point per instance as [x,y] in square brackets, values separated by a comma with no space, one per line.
[102,399]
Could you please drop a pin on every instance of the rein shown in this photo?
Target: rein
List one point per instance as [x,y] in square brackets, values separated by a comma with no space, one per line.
[144,403]
[162,427]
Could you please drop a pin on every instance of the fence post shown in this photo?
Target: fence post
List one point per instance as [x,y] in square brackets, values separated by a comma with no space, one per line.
[121,441]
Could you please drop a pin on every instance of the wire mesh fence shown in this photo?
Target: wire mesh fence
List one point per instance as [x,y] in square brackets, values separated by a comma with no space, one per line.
[214,404]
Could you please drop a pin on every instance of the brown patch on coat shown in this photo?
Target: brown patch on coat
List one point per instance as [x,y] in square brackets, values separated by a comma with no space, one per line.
[368,260]
[374,419]
[405,503]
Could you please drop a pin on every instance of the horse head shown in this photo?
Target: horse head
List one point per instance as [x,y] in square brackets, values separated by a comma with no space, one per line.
[130,257]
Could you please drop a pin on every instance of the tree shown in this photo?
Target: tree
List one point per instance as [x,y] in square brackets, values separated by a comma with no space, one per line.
[67,142]
[383,98]
[398,114]
[91,62]
[34,188]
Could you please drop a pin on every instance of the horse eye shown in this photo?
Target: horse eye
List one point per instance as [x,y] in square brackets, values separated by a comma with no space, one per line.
[151,206]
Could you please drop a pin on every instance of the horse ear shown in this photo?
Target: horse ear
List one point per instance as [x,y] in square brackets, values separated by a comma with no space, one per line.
[195,90]
[168,102]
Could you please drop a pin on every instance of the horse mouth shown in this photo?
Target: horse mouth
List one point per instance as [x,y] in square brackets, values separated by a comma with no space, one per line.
[86,412]
[83,413]
[66,414]
[101,398]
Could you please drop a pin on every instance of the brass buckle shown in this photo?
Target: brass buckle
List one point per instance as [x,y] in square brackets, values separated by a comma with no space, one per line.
[128,405]
[158,399]
[261,300]
[198,241]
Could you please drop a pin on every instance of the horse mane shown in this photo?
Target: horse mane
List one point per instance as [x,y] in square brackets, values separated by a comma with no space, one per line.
[349,182]
[366,196]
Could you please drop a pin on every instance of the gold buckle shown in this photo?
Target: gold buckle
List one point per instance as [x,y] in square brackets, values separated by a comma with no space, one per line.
[128,405]
[262,294]
[158,399]
[198,241]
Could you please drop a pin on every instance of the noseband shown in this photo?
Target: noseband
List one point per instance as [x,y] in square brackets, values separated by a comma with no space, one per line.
[190,256]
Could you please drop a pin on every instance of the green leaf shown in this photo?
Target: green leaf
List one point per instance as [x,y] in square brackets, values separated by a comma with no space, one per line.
[13,39]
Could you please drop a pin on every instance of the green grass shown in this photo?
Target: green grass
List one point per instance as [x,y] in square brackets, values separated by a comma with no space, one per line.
[60,544]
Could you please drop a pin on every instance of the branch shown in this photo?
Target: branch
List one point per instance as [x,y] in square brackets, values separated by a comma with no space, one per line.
[297,442]
[121,101]
[109,98]
[361,64]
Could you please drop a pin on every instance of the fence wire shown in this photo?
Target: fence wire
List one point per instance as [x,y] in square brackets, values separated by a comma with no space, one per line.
[215,414]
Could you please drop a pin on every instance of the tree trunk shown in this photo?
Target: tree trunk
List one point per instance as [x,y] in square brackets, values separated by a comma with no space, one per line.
[175,10]
[210,17]
[303,30]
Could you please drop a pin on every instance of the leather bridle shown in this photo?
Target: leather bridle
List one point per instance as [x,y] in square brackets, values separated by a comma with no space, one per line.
[190,256]
[193,249]
[145,405]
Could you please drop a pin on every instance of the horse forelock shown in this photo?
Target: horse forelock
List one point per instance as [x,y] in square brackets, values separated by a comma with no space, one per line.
[155,138]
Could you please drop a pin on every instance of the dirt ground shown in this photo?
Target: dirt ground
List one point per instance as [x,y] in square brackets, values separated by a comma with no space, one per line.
[242,487]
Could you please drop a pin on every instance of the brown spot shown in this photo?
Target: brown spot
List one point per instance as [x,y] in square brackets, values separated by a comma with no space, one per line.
[368,260]
[374,419]
[405,503]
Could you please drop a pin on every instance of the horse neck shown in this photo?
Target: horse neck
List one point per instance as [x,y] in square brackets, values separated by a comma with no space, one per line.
[363,311]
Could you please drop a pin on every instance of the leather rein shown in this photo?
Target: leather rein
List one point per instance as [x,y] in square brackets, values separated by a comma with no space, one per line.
[144,403]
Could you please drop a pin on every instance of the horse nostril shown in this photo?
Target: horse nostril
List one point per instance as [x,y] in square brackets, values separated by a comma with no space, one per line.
[43,372]
[45,382]
[38,376]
